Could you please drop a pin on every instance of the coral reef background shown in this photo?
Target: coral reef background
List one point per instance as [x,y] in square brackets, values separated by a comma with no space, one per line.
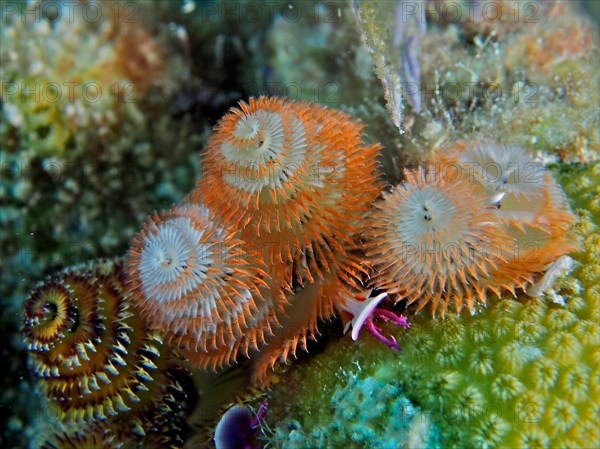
[103,119]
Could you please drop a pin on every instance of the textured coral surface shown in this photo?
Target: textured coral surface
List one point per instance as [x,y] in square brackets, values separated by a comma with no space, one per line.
[78,177]
[349,404]
[522,373]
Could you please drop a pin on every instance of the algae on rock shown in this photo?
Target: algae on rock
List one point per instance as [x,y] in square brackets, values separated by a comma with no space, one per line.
[516,79]
[90,141]
[351,405]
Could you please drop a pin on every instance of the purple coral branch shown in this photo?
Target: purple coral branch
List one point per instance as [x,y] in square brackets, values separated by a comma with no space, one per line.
[386,316]
[260,415]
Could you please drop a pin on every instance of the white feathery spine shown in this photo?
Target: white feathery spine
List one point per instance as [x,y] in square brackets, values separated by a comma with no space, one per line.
[183,269]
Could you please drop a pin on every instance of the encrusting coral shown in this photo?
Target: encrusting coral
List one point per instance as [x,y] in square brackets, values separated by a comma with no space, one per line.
[287,189]
[520,80]
[97,361]
[204,276]
[341,400]
[530,372]
[448,70]
[520,373]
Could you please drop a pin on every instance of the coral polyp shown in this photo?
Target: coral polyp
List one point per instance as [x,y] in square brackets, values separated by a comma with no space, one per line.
[92,355]
[433,239]
[203,287]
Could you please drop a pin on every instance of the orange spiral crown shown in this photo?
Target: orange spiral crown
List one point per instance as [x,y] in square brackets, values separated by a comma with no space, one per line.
[433,239]
[296,178]
[285,190]
[201,286]
[481,217]
[531,208]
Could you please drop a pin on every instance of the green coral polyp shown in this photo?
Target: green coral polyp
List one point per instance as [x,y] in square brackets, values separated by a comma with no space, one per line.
[365,411]
[521,373]
[551,363]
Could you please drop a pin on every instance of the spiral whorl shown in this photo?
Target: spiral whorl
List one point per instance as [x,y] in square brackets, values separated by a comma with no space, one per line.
[295,177]
[200,285]
[434,240]
[93,356]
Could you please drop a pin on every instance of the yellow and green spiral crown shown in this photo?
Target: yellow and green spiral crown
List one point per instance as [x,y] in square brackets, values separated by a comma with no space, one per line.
[94,357]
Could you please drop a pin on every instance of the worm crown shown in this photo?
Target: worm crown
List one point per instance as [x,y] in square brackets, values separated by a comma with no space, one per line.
[528,193]
[433,238]
[292,176]
[295,179]
[531,206]
[199,284]
[92,355]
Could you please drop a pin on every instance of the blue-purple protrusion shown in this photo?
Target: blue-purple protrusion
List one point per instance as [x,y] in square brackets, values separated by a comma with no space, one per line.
[409,25]
[237,427]
[411,73]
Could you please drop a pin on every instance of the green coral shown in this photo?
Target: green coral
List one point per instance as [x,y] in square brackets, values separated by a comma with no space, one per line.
[78,176]
[357,405]
[522,373]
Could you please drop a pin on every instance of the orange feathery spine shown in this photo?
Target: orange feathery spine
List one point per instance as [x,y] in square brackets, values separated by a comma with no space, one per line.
[92,355]
[296,179]
[531,206]
[204,288]
[435,239]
